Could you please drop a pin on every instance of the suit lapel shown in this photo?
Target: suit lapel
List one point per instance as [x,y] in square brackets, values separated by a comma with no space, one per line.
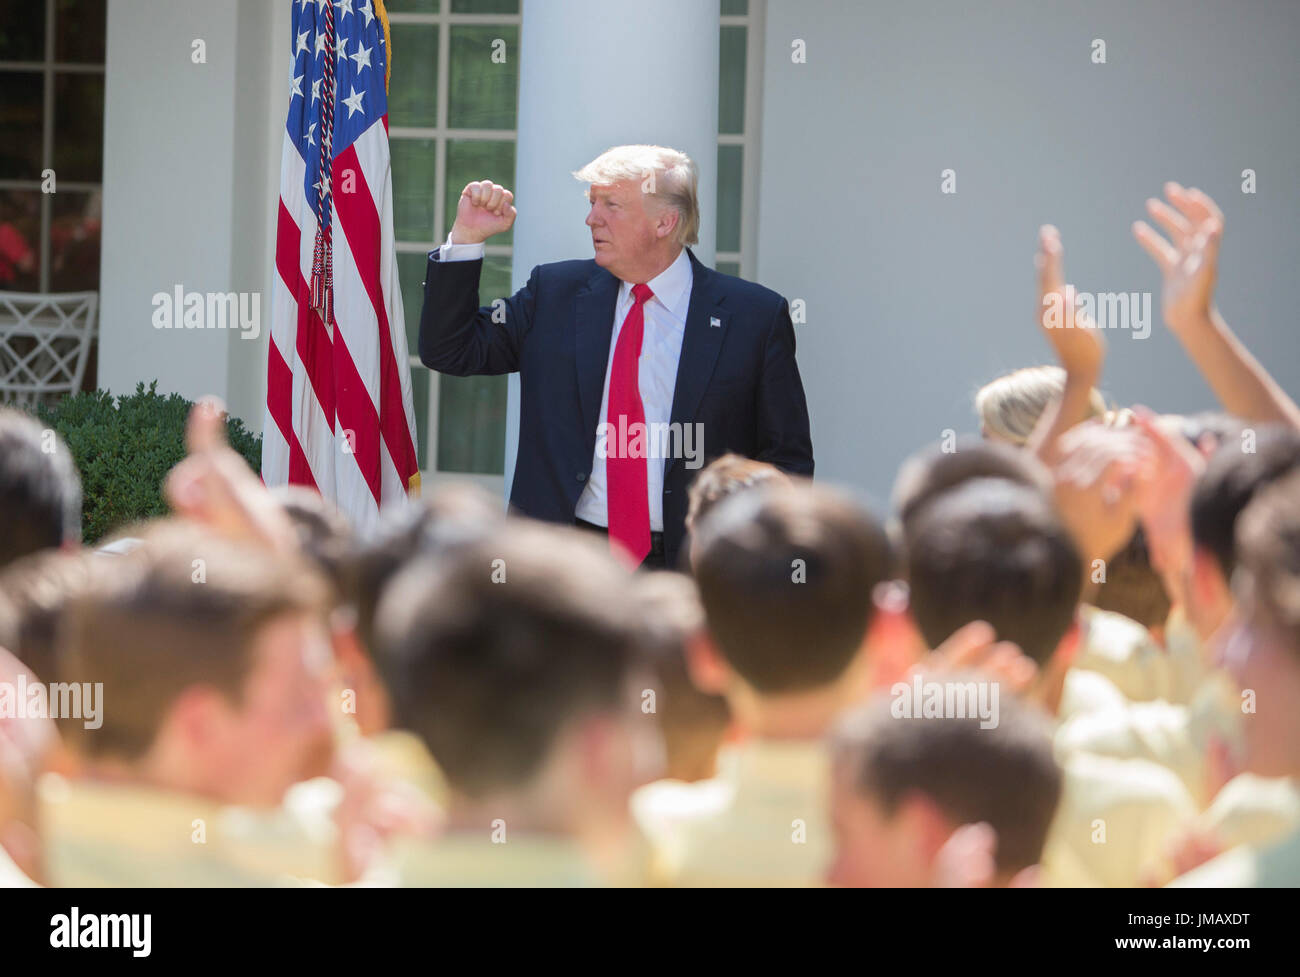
[706,326]
[593,328]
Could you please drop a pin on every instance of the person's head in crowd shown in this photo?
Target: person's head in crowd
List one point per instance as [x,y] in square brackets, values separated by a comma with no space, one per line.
[1233,476]
[452,516]
[325,537]
[1010,406]
[1205,430]
[1260,645]
[517,660]
[40,490]
[694,723]
[26,744]
[722,478]
[790,576]
[213,658]
[37,590]
[938,468]
[901,787]
[1133,588]
[996,551]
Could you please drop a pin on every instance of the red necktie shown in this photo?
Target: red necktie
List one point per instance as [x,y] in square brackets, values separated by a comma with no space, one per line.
[629,500]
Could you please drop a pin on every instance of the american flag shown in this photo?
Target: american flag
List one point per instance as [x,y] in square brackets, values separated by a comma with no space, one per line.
[338,390]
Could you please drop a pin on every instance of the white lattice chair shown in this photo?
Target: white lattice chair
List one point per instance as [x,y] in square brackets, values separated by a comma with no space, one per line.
[44,344]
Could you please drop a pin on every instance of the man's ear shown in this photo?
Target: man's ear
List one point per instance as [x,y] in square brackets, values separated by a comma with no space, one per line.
[666,222]
[1208,583]
[926,825]
[195,718]
[708,670]
[892,643]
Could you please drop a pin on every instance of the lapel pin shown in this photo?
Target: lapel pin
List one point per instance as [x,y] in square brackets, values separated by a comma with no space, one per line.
[715,322]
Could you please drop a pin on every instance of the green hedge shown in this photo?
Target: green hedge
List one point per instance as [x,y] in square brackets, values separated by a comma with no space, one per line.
[125,447]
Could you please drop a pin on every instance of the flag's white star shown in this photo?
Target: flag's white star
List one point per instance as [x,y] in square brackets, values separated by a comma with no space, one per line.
[320,44]
[354,102]
[302,43]
[362,57]
[369,13]
[295,87]
[315,89]
[322,4]
[345,7]
[311,130]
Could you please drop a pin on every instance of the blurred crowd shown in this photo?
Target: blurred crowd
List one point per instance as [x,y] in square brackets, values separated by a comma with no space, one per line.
[1069,655]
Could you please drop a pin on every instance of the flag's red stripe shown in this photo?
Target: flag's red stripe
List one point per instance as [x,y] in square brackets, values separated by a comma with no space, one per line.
[357,414]
[279,393]
[359,217]
[312,341]
[330,370]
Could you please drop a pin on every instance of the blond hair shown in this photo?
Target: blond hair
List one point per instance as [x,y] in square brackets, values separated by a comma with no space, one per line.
[1010,406]
[674,181]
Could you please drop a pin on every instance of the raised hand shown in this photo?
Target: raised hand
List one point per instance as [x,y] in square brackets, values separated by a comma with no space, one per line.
[1190,263]
[214,486]
[1101,479]
[484,209]
[1075,339]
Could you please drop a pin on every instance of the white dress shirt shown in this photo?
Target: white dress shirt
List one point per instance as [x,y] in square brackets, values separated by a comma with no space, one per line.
[661,348]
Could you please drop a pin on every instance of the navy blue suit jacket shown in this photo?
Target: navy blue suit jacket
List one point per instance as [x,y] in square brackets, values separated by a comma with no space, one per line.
[737,375]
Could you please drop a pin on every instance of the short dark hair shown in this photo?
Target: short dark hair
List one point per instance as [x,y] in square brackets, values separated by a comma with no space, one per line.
[148,630]
[325,536]
[1268,540]
[1005,776]
[1133,587]
[452,516]
[37,590]
[723,477]
[673,616]
[491,649]
[40,490]
[934,470]
[1231,479]
[787,575]
[996,551]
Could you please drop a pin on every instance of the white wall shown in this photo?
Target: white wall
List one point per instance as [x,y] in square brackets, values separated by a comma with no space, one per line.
[916,298]
[191,160]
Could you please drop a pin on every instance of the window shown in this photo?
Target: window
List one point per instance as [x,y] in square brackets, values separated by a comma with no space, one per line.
[451,115]
[52,117]
[740,70]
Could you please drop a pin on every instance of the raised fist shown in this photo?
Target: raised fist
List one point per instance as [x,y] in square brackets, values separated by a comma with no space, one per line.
[484,209]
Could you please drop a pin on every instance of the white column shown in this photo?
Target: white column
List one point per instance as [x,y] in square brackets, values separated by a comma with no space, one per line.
[191,163]
[593,74]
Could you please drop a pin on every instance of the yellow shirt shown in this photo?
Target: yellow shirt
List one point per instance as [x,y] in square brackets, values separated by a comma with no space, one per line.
[1252,810]
[1124,651]
[463,860]
[400,755]
[1275,866]
[115,835]
[762,822]
[1175,736]
[1086,692]
[1116,818]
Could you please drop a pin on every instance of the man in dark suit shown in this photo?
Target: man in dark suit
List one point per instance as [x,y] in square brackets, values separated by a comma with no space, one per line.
[635,368]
